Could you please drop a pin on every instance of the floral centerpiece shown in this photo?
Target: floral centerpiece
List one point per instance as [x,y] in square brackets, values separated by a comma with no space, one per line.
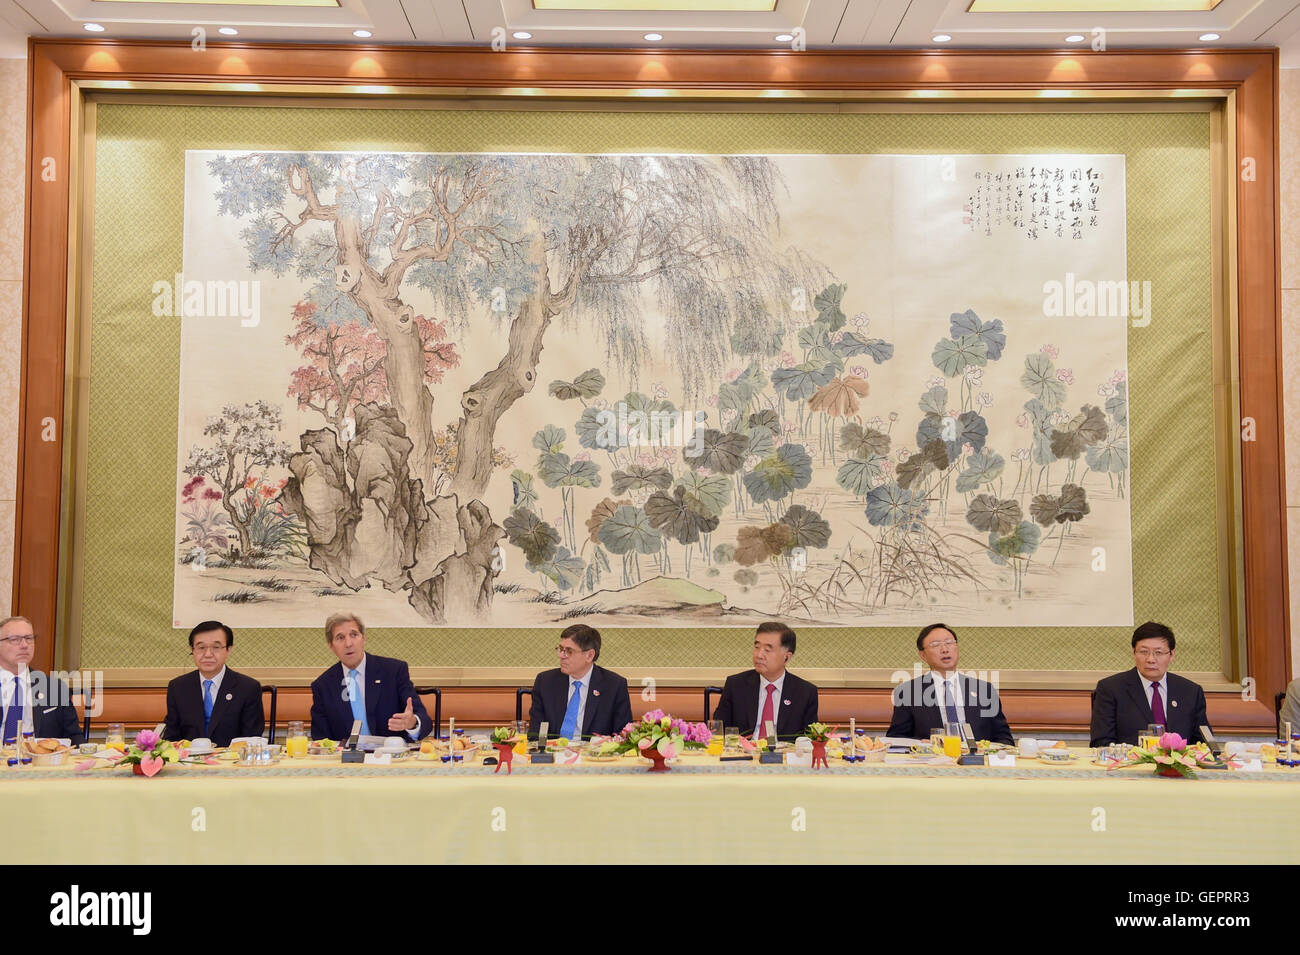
[659,737]
[149,753]
[504,739]
[1172,757]
[820,734]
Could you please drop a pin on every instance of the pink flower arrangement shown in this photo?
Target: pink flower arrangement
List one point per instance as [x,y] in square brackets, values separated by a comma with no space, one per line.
[1172,756]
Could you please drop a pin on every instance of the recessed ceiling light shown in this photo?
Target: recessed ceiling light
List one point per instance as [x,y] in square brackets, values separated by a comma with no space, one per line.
[1074,38]
[228,31]
[1209,37]
[94,27]
[652,37]
[522,35]
[362,34]
[941,38]
[783,37]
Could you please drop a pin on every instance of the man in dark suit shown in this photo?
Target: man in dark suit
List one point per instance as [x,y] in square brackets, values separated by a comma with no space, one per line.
[213,702]
[1126,703]
[30,701]
[769,691]
[579,698]
[376,690]
[946,696]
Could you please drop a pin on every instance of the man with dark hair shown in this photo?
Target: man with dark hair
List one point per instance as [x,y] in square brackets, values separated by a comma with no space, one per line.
[213,702]
[579,698]
[1125,704]
[946,696]
[769,692]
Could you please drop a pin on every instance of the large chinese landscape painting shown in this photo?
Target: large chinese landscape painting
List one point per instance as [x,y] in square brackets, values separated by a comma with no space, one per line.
[653,390]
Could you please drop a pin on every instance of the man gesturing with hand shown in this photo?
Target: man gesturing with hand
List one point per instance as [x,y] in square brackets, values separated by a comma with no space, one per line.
[404,721]
[362,686]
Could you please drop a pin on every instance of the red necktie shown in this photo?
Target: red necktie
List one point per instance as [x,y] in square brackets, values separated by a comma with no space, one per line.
[1157,705]
[769,716]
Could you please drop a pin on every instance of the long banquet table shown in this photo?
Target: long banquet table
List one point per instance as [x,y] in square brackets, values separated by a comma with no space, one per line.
[307,811]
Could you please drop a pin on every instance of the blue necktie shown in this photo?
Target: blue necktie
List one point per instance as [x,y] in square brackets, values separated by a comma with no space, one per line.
[949,707]
[571,713]
[354,697]
[207,705]
[14,717]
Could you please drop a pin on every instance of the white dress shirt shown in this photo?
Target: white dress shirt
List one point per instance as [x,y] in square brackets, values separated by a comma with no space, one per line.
[763,684]
[948,690]
[381,730]
[582,700]
[1163,683]
[7,696]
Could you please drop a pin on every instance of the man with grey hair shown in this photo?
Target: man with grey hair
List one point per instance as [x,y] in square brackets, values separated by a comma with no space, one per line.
[375,690]
[29,701]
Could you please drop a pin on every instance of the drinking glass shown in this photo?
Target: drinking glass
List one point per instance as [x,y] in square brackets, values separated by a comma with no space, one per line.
[936,741]
[296,742]
[731,739]
[115,736]
[716,738]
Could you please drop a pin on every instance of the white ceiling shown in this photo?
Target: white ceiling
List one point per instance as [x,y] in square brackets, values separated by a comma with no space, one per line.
[826,24]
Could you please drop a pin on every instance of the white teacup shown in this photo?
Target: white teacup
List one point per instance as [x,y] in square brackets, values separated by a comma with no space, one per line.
[1029,748]
[201,745]
[393,743]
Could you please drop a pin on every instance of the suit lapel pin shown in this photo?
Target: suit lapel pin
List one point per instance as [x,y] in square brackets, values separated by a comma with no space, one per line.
[595,692]
[376,681]
[786,702]
[230,696]
[1173,702]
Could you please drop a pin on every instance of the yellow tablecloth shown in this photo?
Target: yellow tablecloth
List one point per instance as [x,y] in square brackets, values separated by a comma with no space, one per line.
[701,813]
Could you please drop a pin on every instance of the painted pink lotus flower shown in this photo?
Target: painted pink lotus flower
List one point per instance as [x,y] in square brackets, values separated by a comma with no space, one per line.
[659,391]
[984,399]
[934,383]
[859,371]
[1051,351]
[1106,391]
[1119,376]
[1066,375]
[712,401]
[584,456]
[786,359]
[733,374]
[861,321]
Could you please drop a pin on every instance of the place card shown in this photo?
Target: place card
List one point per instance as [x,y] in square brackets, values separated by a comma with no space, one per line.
[1003,759]
[1251,766]
[378,759]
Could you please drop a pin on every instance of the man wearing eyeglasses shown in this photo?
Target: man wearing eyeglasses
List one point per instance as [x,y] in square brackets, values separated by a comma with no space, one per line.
[213,702]
[31,702]
[579,699]
[946,696]
[1125,704]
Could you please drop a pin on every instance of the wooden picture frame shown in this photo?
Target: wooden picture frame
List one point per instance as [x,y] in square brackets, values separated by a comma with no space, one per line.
[60,70]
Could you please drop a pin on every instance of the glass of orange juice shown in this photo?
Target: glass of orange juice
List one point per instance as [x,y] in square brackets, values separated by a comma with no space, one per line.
[296,742]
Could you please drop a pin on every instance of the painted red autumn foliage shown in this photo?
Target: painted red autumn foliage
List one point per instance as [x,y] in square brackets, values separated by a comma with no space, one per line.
[346,362]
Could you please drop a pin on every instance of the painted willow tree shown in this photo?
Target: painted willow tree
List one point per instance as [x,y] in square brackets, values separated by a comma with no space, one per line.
[524,241]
